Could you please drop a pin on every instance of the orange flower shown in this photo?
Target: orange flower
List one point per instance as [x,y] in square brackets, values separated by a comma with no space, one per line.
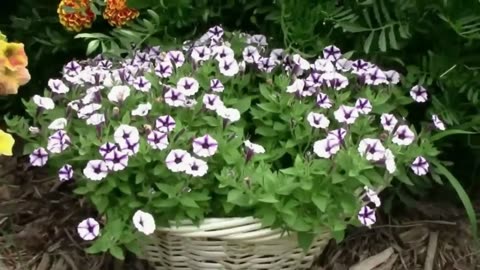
[12,55]
[117,13]
[12,79]
[75,15]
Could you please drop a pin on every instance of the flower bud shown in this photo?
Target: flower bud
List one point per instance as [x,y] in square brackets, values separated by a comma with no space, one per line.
[115,111]
[147,128]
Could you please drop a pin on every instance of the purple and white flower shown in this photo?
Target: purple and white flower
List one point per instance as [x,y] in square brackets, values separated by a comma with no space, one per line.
[72,68]
[187,86]
[96,170]
[96,119]
[437,122]
[327,147]
[343,64]
[323,66]
[318,120]
[164,69]
[296,87]
[277,55]
[388,121]
[157,140]
[251,149]
[228,66]
[346,114]
[178,160]
[420,166]
[142,84]
[372,196]
[403,135]
[58,142]
[212,102]
[107,148]
[58,86]
[230,114]
[259,40]
[165,123]
[88,229]
[314,79]
[144,222]
[360,67]
[65,173]
[216,85]
[174,98]
[266,64]
[200,53]
[371,149]
[363,106]
[334,80]
[39,157]
[366,216]
[332,53]
[126,136]
[119,93]
[337,134]
[44,102]
[323,101]
[251,54]
[176,57]
[390,161]
[375,76]
[116,160]
[393,77]
[196,167]
[223,52]
[142,109]
[205,146]
[419,93]
[215,32]
[58,124]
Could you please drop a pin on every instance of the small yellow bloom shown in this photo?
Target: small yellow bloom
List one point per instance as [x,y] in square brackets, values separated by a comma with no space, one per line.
[12,55]
[6,143]
[11,80]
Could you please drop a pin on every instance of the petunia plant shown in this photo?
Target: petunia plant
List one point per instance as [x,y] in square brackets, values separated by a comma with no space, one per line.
[226,126]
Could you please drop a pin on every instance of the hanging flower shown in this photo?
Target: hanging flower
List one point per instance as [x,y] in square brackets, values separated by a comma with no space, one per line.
[420,166]
[343,65]
[419,93]
[142,109]
[334,80]
[165,123]
[196,167]
[6,144]
[205,146]
[388,121]
[314,79]
[58,142]
[44,102]
[88,110]
[12,79]
[375,76]
[127,137]
[157,140]
[323,66]
[297,86]
[177,160]
[58,86]
[75,15]
[118,14]
[437,122]
[346,114]
[323,101]
[266,64]
[372,149]
[12,55]
[223,52]
[188,86]
[119,93]
[403,135]
[216,85]
[366,216]
[318,120]
[372,196]
[360,67]
[65,173]
[251,149]
[39,157]
[144,222]
[326,148]
[390,161]
[393,77]
[96,170]
[88,229]
[259,40]
[215,32]
[363,106]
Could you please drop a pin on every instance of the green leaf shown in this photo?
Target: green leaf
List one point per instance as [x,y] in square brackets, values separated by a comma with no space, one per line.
[117,252]
[189,202]
[368,42]
[266,131]
[352,27]
[237,197]
[268,198]
[338,235]
[320,201]
[92,46]
[393,38]
[305,240]
[449,132]
[382,41]
[81,190]
[461,194]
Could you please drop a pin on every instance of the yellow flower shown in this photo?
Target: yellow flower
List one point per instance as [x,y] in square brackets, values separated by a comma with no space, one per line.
[117,13]
[11,80]
[6,143]
[75,15]
[12,55]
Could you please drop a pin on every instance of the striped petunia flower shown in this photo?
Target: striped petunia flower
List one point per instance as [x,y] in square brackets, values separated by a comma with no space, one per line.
[65,173]
[363,106]
[164,69]
[403,135]
[196,167]
[346,114]
[332,53]
[420,166]
[188,86]
[323,101]
[39,157]
[419,93]
[116,160]
[212,102]
[157,140]
[165,123]
[327,147]
[144,222]
[388,121]
[205,146]
[216,85]
[178,160]
[174,98]
[88,229]
[366,216]
[142,84]
[107,148]
[371,149]
[58,142]
[176,57]
[318,120]
[58,86]
[96,170]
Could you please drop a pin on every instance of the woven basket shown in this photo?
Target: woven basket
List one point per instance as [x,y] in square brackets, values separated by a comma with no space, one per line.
[230,243]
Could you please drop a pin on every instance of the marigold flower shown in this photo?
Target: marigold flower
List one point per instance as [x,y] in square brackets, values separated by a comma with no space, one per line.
[75,15]
[6,143]
[117,13]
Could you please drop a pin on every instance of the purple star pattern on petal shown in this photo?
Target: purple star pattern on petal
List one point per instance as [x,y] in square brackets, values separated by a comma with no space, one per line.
[39,157]
[65,173]
[165,123]
[366,216]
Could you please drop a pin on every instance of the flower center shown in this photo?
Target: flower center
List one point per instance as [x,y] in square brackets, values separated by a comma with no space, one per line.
[178,160]
[194,167]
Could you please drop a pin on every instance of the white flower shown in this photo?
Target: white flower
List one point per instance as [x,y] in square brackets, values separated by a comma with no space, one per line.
[187,86]
[57,124]
[419,93]
[96,119]
[88,229]
[326,148]
[300,62]
[116,160]
[126,135]
[420,166]
[174,98]
[196,167]
[259,40]
[119,93]
[216,85]
[222,52]
[88,110]
[363,106]
[44,102]
[205,146]
[256,148]
[318,120]
[228,66]
[323,65]
[142,109]
[34,130]
[372,196]
[296,86]
[437,122]
[390,161]
[74,105]
[346,114]
[39,157]
[144,222]
[403,135]
[142,84]
[177,160]
[96,170]
[388,121]
[200,53]
[230,114]
[372,149]
[212,102]
[250,54]
[157,140]
[58,86]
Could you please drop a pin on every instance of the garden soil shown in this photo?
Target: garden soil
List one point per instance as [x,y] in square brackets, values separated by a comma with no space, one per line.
[38,217]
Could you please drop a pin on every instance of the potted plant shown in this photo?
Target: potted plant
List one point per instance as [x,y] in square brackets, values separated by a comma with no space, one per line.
[227,153]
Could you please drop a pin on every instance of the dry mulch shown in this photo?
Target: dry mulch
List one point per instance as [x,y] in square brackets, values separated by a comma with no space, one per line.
[38,217]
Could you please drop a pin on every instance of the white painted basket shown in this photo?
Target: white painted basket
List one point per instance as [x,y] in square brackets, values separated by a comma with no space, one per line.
[230,244]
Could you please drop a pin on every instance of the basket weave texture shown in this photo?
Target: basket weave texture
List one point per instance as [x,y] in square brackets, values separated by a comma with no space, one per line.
[230,244]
